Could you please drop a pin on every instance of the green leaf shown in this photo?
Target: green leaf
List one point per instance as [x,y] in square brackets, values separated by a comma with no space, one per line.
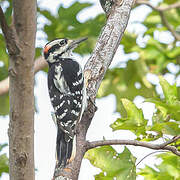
[66,24]
[112,164]
[170,91]
[152,20]
[4,166]
[173,52]
[170,106]
[133,113]
[4,104]
[122,83]
[170,128]
[73,10]
[129,37]
[170,1]
[8,13]
[172,110]
[172,17]
[134,122]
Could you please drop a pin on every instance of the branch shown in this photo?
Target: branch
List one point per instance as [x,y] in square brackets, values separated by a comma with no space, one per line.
[171,6]
[4,25]
[169,27]
[94,72]
[163,18]
[40,64]
[106,46]
[163,146]
[9,35]
[150,155]
[143,2]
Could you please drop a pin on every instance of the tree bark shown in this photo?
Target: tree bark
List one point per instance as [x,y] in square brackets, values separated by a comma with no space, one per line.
[21,92]
[94,72]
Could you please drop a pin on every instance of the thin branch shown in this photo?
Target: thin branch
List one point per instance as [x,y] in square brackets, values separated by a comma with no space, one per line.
[169,27]
[142,2]
[171,6]
[9,35]
[163,146]
[174,139]
[5,28]
[39,64]
[150,155]
[163,18]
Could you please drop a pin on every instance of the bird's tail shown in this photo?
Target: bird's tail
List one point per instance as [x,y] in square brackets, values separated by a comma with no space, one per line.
[65,149]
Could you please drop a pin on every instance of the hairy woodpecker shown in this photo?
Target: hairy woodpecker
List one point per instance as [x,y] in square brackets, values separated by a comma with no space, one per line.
[107,5]
[67,94]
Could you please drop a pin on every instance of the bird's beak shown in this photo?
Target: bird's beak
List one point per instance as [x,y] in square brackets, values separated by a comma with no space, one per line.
[74,43]
[78,41]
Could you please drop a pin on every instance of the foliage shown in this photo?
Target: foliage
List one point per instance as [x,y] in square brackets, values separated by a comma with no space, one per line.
[154,56]
[121,82]
[113,165]
[165,120]
[70,27]
[4,167]
[66,24]
[168,169]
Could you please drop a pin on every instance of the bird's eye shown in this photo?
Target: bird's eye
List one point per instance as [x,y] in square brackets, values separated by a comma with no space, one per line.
[63,42]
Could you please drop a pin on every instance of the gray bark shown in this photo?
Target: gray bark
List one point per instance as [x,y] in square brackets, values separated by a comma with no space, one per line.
[20,41]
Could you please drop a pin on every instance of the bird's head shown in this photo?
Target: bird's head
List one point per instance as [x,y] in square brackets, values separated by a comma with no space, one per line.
[60,47]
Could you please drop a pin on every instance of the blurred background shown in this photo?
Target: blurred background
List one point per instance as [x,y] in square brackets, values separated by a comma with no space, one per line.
[138,98]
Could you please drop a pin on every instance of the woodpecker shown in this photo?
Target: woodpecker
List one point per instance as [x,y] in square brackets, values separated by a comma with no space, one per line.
[107,6]
[67,94]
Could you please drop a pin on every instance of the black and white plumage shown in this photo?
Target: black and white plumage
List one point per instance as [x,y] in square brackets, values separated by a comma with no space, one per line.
[107,5]
[67,94]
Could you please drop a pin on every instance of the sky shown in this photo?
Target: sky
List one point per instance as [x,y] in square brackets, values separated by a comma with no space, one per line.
[45,131]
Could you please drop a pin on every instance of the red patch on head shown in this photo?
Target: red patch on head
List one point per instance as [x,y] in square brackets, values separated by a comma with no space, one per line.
[46,49]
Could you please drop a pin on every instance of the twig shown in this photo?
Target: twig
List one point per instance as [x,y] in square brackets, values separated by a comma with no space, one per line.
[170,141]
[150,155]
[163,18]
[5,28]
[140,2]
[9,35]
[163,146]
[40,63]
[169,27]
[171,6]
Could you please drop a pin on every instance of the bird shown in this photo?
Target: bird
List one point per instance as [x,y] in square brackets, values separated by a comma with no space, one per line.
[67,93]
[107,6]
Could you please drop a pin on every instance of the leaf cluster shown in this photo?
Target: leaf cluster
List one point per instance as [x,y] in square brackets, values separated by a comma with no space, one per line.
[4,165]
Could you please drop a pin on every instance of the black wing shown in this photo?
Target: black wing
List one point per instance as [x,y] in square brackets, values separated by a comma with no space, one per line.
[65,83]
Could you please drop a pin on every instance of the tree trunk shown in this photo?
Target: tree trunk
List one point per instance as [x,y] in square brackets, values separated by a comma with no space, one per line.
[21,72]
